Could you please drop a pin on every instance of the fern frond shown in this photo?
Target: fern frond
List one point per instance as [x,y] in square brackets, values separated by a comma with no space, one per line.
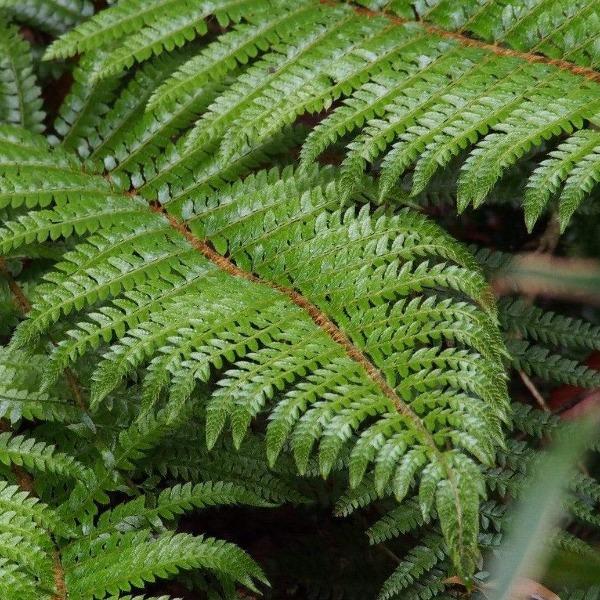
[20,396]
[181,498]
[127,560]
[371,99]
[451,120]
[237,47]
[174,29]
[430,585]
[16,585]
[183,175]
[400,520]
[416,96]
[53,16]
[526,127]
[266,75]
[592,593]
[22,504]
[245,466]
[364,494]
[519,459]
[533,422]
[30,558]
[580,182]
[538,325]
[86,105]
[421,559]
[20,96]
[150,27]
[26,562]
[38,456]
[11,522]
[271,341]
[569,157]
[329,332]
[314,81]
[537,360]
[127,109]
[575,546]
[557,29]
[130,446]
[142,512]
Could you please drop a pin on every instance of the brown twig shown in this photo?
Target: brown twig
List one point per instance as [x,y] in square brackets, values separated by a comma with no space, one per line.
[75,389]
[534,391]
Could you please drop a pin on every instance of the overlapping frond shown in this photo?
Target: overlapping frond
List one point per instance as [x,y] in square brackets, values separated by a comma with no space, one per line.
[38,456]
[556,28]
[548,345]
[46,550]
[116,555]
[118,562]
[411,97]
[330,317]
[20,395]
[150,27]
[508,481]
[124,536]
[20,96]
[53,16]
[574,164]
[518,317]
[197,294]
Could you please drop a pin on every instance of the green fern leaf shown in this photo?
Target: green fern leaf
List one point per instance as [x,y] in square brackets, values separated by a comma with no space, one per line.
[20,101]
[273,341]
[547,178]
[53,16]
[142,558]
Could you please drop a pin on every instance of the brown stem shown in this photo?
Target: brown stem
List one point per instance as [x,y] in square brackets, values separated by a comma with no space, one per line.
[327,325]
[59,578]
[550,237]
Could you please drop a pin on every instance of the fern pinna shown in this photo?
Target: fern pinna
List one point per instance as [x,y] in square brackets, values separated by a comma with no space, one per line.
[180,280]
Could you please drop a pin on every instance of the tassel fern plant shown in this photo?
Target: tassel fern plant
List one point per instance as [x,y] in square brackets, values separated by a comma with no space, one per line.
[222,280]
